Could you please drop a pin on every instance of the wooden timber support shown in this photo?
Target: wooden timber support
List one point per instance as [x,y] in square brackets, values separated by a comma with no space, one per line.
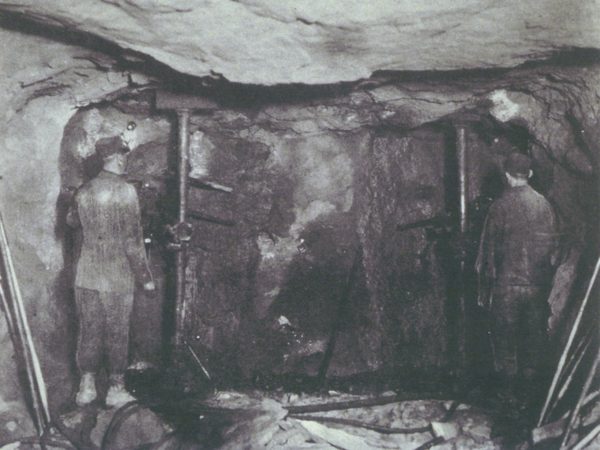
[182,105]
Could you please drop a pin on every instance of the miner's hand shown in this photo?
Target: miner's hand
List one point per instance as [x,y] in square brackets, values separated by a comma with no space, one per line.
[68,193]
[149,286]
[484,301]
[484,294]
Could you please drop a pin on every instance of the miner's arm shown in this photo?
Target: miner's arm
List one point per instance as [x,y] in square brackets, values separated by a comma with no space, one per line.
[134,244]
[485,265]
[72,214]
[556,250]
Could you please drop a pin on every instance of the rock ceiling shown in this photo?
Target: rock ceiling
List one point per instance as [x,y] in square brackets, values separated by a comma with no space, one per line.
[274,41]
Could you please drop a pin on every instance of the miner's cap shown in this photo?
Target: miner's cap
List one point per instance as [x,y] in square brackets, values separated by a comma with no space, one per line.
[108,146]
[518,165]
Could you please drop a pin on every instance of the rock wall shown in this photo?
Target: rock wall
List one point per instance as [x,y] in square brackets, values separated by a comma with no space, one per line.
[310,195]
[320,180]
[317,188]
[337,174]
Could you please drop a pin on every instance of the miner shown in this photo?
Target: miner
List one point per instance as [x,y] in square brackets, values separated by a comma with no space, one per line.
[111,261]
[515,261]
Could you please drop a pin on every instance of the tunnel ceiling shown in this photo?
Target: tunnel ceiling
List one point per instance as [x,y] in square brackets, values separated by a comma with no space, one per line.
[272,41]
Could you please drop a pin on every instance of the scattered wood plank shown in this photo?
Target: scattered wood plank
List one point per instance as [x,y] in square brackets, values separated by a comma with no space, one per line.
[361,424]
[361,403]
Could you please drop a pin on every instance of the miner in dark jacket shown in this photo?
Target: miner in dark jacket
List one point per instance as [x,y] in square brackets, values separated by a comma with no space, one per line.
[112,260]
[515,263]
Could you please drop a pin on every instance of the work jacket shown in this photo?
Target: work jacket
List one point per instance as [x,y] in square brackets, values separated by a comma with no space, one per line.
[112,255]
[519,240]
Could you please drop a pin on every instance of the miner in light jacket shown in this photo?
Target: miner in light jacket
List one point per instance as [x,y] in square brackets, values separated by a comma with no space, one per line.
[112,260]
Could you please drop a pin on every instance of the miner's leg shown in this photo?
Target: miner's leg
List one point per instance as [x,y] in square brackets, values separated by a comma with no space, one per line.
[146,323]
[506,313]
[89,342]
[119,308]
[504,336]
[533,349]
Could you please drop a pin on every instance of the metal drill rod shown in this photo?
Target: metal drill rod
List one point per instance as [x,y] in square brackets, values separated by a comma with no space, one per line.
[570,377]
[563,356]
[197,360]
[6,307]
[580,400]
[20,349]
[584,341]
[587,439]
[39,396]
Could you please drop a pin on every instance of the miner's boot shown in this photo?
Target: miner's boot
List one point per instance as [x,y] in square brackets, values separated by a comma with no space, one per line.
[117,394]
[87,389]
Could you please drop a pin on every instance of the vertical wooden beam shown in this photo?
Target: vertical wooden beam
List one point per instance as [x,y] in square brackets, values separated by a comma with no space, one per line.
[462,177]
[182,104]
[183,117]
[462,157]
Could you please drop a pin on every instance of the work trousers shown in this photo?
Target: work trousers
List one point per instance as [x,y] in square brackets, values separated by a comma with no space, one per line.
[103,329]
[519,315]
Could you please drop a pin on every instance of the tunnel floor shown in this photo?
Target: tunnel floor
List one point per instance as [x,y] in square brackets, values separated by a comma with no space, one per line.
[257,419]
[232,419]
[178,415]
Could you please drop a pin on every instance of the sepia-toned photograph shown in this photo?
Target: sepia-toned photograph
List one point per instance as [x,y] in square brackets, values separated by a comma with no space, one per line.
[299,224]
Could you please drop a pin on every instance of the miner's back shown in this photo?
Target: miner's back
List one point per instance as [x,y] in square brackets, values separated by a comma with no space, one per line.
[108,211]
[526,228]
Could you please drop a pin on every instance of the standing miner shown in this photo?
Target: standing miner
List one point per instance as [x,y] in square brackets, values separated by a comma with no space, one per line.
[112,259]
[515,261]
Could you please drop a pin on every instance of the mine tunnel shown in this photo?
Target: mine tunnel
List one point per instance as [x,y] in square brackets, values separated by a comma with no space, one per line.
[312,202]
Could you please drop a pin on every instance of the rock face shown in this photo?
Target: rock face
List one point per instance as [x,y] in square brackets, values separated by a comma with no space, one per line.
[318,182]
[273,42]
